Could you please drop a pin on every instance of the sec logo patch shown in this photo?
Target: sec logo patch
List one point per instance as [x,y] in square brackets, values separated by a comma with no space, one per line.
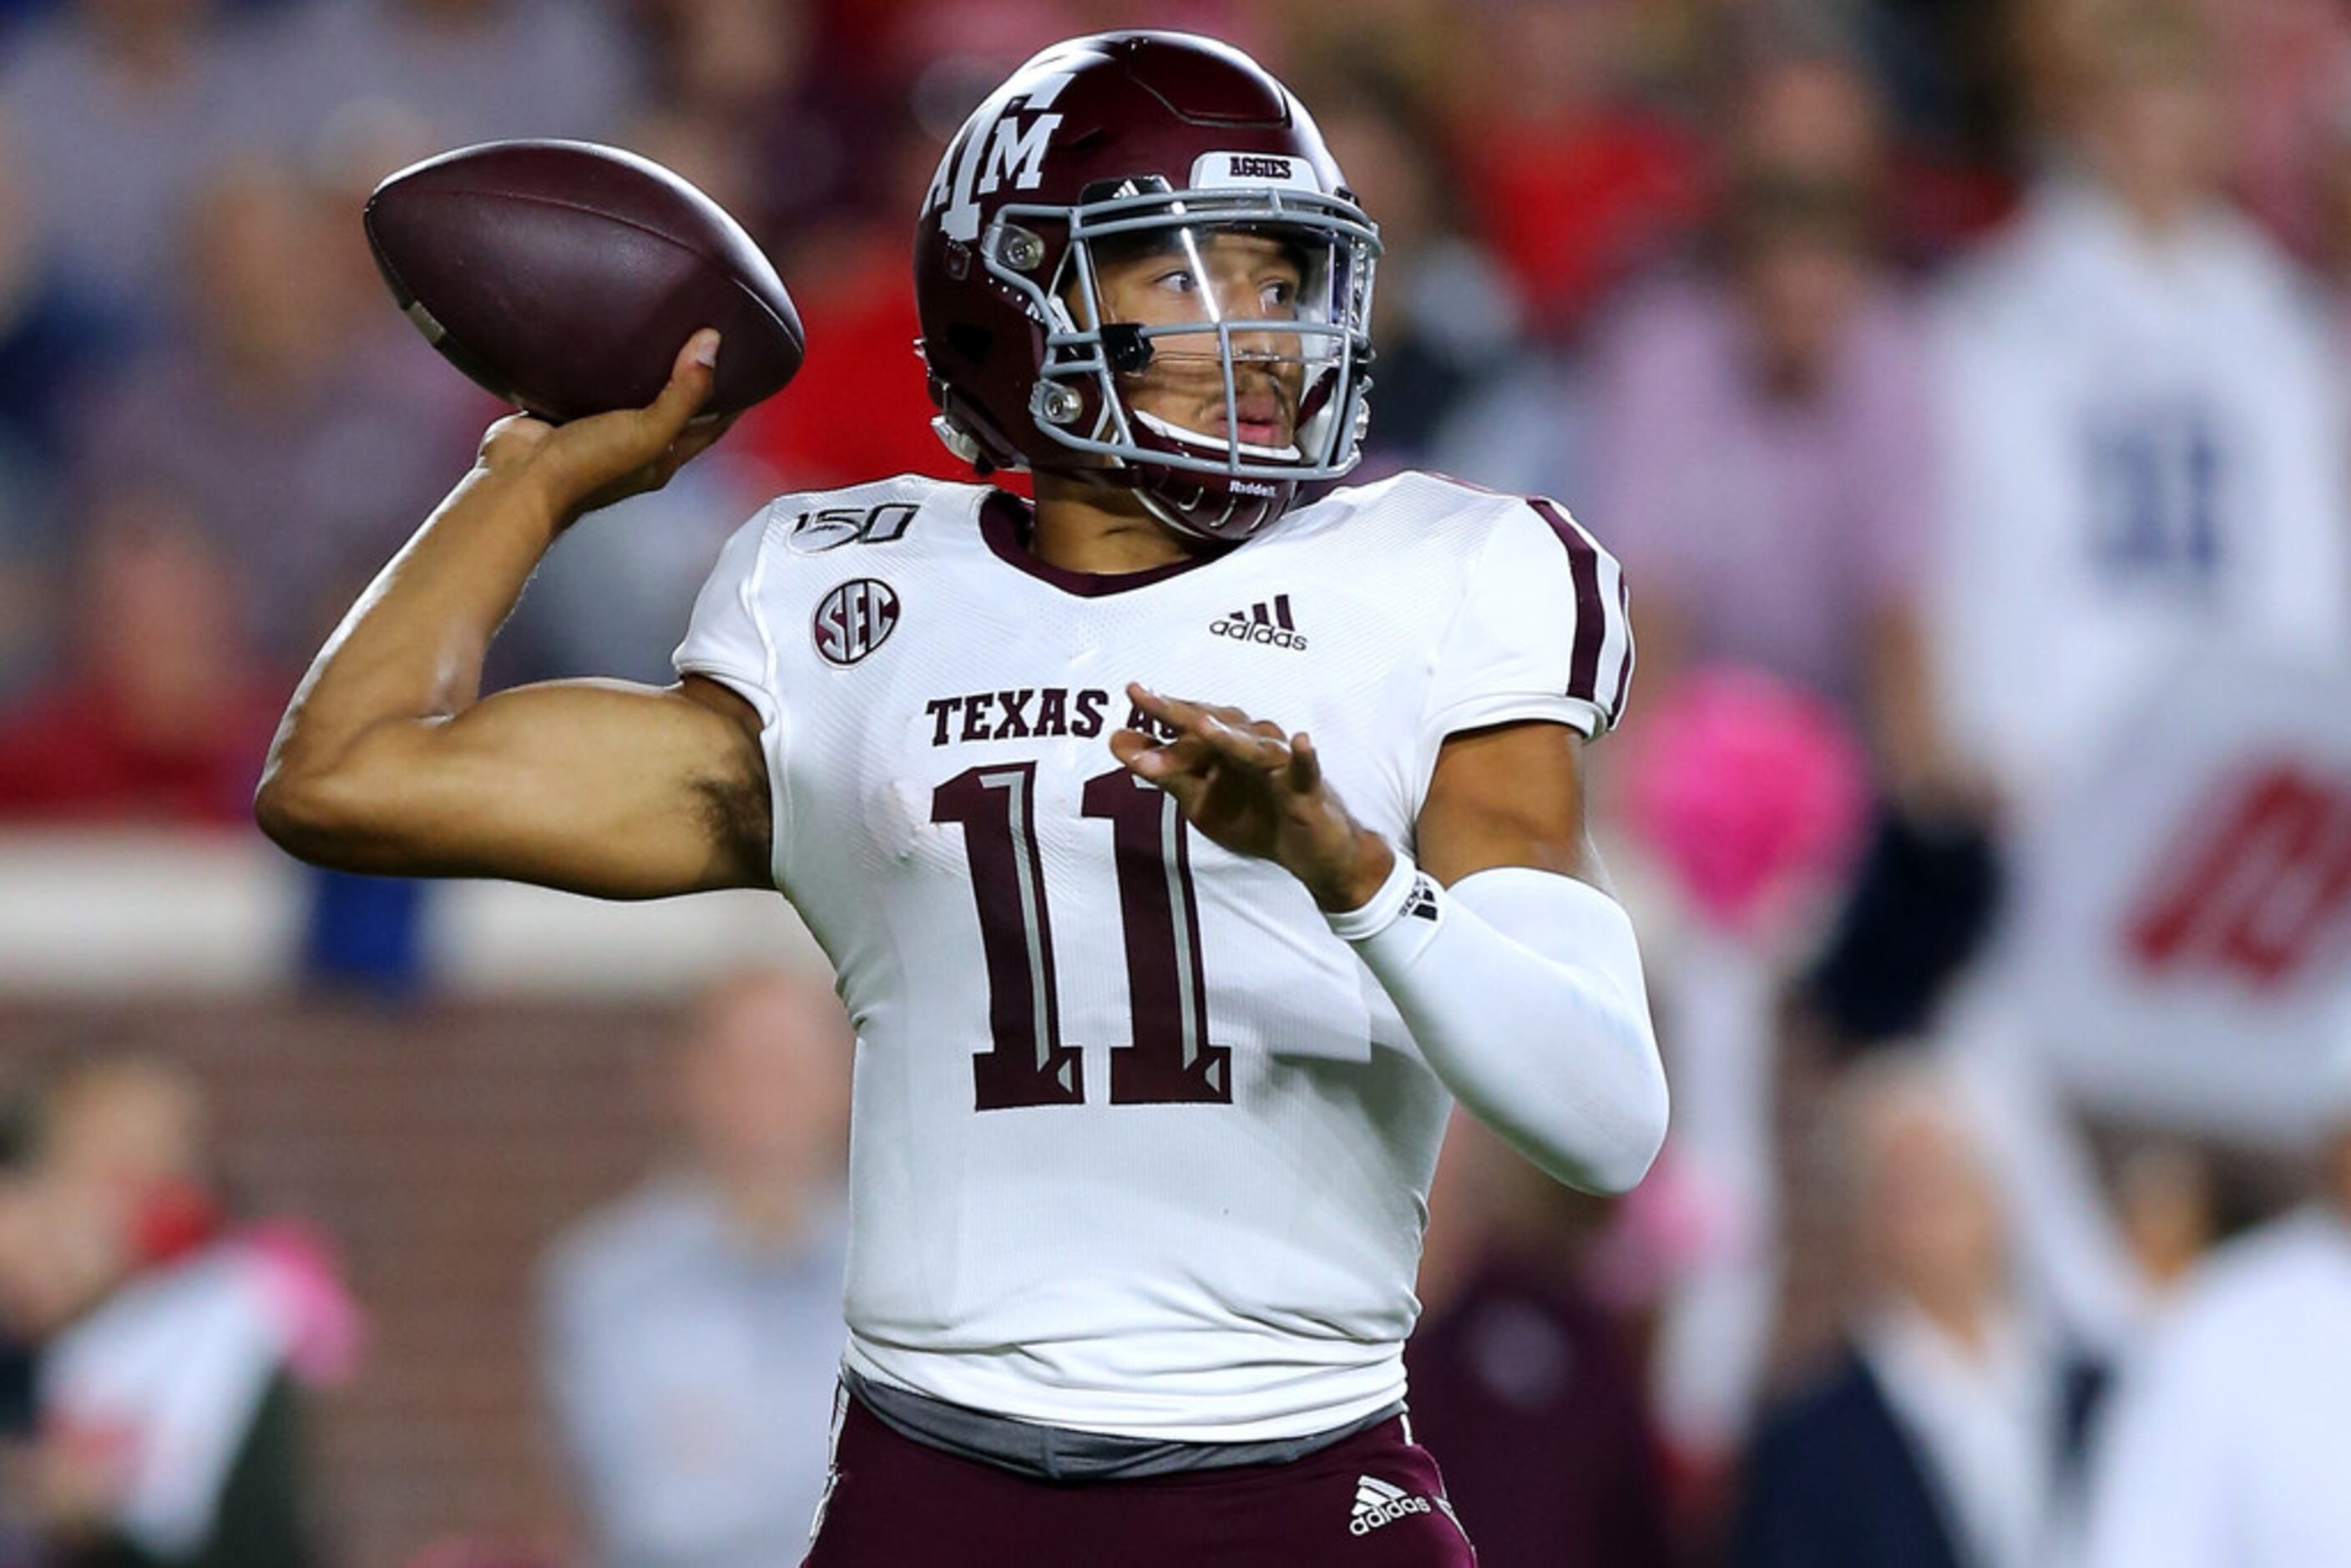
[855,619]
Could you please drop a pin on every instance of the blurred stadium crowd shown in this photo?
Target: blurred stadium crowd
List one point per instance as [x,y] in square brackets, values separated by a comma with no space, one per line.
[1962,384]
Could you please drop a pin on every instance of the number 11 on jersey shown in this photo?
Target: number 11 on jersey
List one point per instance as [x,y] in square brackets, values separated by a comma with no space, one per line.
[1027,1061]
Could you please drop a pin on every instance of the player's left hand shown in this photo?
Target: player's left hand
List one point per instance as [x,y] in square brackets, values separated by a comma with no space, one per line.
[1257,789]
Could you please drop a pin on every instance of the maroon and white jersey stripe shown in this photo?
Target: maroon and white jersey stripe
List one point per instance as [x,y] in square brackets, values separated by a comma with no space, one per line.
[1138,1146]
[1599,659]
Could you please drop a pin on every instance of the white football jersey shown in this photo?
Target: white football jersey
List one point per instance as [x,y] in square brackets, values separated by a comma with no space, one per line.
[2142,463]
[1137,1146]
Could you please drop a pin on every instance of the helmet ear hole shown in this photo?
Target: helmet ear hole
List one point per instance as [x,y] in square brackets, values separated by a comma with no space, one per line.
[970,342]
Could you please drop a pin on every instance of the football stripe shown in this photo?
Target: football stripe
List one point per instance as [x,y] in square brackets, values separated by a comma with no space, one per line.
[1624,669]
[1591,610]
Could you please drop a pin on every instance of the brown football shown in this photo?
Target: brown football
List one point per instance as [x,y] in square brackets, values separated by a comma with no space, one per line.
[564,277]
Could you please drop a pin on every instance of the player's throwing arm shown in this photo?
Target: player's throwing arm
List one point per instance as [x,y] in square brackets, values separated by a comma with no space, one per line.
[389,762]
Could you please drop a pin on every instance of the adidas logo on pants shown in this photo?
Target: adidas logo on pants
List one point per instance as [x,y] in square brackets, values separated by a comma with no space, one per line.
[1378,1503]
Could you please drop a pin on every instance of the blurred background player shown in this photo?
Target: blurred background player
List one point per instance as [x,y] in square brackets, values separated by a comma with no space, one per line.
[1949,1426]
[1524,1377]
[2130,482]
[170,1343]
[156,717]
[2217,1445]
[691,1329]
[1767,451]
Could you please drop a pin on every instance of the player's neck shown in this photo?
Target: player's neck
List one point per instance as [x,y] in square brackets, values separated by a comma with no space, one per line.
[1088,527]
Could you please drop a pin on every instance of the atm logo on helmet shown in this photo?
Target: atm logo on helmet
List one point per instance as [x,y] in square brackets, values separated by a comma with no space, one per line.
[1009,151]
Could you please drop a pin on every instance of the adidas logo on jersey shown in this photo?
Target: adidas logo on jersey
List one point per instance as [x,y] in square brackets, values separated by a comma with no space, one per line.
[1261,623]
[1378,1503]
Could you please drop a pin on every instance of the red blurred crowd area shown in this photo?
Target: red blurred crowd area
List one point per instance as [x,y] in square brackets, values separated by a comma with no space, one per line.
[204,384]
[204,381]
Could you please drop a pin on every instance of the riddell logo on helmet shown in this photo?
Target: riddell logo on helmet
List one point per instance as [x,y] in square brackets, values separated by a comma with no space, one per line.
[1258,623]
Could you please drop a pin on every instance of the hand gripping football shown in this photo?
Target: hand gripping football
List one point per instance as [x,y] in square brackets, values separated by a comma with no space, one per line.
[564,277]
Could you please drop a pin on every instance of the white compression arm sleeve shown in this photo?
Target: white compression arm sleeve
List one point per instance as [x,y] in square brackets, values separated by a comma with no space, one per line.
[1524,992]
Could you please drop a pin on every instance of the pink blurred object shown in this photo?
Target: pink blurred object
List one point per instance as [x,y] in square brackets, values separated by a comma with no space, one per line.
[299,1277]
[1748,790]
[1661,1234]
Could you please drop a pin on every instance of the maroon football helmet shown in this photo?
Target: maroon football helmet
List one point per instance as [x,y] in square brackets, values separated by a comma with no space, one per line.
[1161,139]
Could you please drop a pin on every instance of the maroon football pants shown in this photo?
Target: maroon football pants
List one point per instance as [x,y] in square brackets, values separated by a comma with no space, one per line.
[1373,1500]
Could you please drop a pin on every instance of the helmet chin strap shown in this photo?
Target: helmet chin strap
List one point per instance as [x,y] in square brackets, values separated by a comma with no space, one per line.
[1162,493]
[1143,487]
[1172,517]
[1185,520]
[1107,478]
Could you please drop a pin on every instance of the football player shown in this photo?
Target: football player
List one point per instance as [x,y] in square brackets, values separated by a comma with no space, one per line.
[1183,853]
